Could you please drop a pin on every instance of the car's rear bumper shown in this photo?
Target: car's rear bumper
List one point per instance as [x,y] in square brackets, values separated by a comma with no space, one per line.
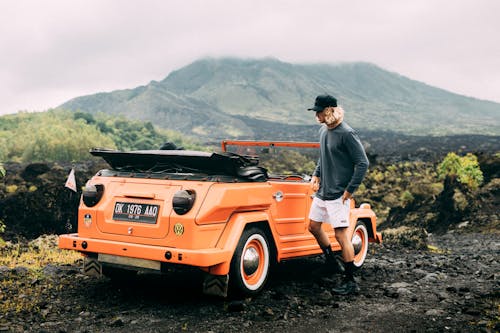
[198,257]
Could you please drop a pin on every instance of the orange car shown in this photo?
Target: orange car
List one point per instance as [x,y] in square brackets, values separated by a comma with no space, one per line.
[220,212]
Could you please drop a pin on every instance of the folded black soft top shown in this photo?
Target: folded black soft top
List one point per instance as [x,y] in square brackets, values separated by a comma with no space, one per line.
[179,161]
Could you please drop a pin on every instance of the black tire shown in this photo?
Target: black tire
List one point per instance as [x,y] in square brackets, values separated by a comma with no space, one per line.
[360,242]
[250,264]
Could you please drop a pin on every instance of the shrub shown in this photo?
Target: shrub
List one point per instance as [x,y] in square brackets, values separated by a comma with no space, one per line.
[406,198]
[11,188]
[464,169]
[412,237]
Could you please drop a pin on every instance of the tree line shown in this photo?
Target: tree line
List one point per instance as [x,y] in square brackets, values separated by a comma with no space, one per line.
[65,136]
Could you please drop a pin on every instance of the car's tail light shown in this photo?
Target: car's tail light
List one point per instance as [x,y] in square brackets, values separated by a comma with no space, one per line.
[92,194]
[183,201]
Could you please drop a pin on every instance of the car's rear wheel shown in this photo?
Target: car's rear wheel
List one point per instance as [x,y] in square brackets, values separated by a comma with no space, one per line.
[360,243]
[250,263]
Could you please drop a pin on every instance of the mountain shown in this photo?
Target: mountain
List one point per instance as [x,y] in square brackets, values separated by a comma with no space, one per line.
[219,98]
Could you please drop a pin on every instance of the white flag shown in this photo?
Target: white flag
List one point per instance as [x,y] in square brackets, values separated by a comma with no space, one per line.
[71,181]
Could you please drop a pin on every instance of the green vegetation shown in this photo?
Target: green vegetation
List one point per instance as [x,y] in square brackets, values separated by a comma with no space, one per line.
[2,230]
[58,135]
[133,135]
[2,171]
[465,169]
[48,136]
[401,185]
[36,254]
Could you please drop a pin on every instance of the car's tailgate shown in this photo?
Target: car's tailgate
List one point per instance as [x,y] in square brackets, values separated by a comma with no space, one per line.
[136,209]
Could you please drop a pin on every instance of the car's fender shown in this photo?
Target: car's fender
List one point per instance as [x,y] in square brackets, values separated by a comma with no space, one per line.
[365,213]
[232,233]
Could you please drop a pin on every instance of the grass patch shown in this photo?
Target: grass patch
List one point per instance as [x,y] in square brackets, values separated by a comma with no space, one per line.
[435,249]
[36,254]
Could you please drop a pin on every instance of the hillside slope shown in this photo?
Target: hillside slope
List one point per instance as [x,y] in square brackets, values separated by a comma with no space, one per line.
[208,97]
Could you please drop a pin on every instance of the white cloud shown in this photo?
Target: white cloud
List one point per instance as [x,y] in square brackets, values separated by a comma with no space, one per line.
[55,50]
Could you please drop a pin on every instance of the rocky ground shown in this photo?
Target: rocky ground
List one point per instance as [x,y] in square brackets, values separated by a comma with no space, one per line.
[453,285]
[445,283]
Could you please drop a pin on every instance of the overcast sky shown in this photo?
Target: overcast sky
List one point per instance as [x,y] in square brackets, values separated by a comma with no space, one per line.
[54,50]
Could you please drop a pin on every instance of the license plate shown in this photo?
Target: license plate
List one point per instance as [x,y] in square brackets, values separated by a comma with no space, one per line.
[135,212]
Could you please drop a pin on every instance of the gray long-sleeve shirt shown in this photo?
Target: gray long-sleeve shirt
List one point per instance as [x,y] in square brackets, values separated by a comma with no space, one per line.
[342,164]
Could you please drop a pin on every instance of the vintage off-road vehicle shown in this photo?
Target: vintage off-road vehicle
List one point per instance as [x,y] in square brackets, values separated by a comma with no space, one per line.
[221,212]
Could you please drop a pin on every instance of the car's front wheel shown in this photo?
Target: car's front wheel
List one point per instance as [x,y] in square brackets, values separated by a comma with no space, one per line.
[250,263]
[360,243]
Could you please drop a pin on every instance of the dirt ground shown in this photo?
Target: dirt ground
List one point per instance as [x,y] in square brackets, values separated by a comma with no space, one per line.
[454,287]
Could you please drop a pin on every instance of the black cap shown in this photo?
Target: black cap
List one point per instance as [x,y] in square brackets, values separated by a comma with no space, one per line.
[323,101]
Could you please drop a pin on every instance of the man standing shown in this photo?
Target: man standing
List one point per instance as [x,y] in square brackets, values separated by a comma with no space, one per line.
[341,167]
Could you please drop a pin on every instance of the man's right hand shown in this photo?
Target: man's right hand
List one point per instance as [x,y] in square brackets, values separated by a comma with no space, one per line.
[314,183]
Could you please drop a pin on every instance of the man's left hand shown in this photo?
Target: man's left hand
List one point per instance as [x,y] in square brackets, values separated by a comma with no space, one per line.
[346,196]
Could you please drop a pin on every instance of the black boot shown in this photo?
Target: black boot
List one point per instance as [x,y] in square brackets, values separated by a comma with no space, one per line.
[349,285]
[334,265]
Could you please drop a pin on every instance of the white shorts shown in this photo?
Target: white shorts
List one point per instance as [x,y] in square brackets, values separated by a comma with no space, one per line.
[333,212]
